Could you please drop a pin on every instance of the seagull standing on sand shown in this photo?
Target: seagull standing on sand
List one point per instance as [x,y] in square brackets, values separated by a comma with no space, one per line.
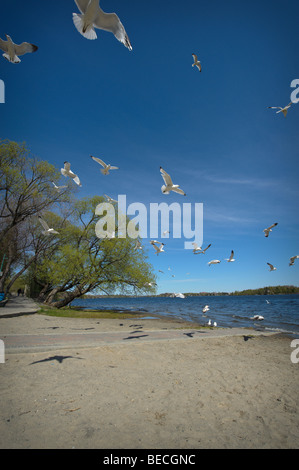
[269,229]
[271,267]
[196,62]
[231,258]
[92,16]
[158,249]
[281,110]
[292,260]
[106,168]
[169,186]
[214,261]
[48,231]
[12,50]
[66,171]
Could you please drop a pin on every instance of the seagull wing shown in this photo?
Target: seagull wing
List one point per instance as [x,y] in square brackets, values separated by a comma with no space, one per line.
[82,5]
[274,107]
[3,45]
[231,255]
[44,224]
[111,22]
[24,48]
[271,265]
[77,180]
[166,177]
[99,161]
[179,191]
[194,57]
[271,226]
[114,168]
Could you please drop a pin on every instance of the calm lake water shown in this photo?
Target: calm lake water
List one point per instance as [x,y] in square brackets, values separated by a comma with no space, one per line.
[280,314]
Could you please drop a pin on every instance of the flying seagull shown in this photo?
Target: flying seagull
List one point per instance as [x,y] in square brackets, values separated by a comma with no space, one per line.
[106,168]
[231,258]
[269,229]
[271,267]
[196,247]
[179,295]
[138,245]
[292,260]
[196,62]
[58,188]
[169,186]
[66,171]
[92,16]
[48,231]
[205,309]
[214,261]
[109,199]
[158,249]
[199,250]
[12,50]
[281,110]
[257,317]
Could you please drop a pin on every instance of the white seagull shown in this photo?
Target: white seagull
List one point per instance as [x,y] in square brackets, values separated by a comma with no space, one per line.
[196,62]
[58,188]
[158,249]
[48,231]
[109,199]
[269,229]
[179,295]
[231,258]
[196,247]
[66,171]
[138,245]
[12,50]
[92,16]
[271,267]
[200,251]
[292,260]
[214,261]
[169,186]
[281,110]
[205,309]
[257,317]
[215,323]
[210,323]
[106,168]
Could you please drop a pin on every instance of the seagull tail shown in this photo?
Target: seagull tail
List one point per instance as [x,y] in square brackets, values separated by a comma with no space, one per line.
[89,33]
[15,60]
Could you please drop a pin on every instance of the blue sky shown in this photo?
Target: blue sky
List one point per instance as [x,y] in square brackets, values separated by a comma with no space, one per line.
[148,108]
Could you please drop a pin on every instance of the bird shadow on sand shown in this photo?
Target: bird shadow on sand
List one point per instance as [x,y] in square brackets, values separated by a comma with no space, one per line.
[59,359]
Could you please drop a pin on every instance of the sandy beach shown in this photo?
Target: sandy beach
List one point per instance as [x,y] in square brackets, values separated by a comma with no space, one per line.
[237,391]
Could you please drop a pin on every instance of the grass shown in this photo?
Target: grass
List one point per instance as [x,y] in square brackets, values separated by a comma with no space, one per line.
[73,313]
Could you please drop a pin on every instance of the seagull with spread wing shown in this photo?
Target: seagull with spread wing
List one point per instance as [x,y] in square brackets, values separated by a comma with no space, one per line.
[292,260]
[106,168]
[272,268]
[214,261]
[58,188]
[269,229]
[66,171]
[12,50]
[196,62]
[92,16]
[200,251]
[169,186]
[281,110]
[231,258]
[158,249]
[48,231]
